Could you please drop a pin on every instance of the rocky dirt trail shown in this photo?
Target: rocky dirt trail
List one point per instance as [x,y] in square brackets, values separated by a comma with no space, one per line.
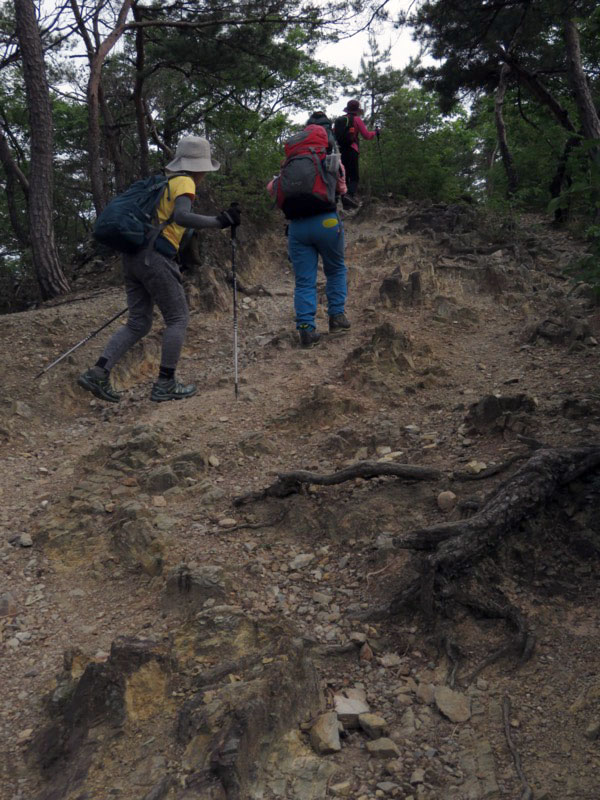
[170,630]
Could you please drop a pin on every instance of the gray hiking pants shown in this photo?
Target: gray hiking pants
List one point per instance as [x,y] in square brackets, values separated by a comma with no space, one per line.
[158,281]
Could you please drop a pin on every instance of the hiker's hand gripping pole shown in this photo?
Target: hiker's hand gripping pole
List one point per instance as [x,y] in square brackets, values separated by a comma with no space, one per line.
[235,319]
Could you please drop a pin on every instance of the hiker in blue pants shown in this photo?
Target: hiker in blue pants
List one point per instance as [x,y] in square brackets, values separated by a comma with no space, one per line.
[307,239]
[305,190]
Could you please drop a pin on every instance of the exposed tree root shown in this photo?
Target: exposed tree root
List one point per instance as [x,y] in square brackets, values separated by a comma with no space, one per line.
[490,471]
[291,482]
[449,571]
[526,790]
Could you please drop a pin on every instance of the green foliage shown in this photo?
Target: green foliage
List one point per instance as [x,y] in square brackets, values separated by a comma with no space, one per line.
[247,166]
[425,155]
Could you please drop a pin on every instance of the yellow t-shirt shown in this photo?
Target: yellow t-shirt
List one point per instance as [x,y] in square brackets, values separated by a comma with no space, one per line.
[181,184]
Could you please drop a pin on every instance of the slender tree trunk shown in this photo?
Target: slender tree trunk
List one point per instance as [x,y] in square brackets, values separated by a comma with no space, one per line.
[560,177]
[507,159]
[489,183]
[97,53]
[138,97]
[14,178]
[50,277]
[590,121]
[113,146]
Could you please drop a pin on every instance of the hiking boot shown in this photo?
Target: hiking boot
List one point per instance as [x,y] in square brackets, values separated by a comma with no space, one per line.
[338,323]
[97,381]
[308,336]
[170,389]
[349,202]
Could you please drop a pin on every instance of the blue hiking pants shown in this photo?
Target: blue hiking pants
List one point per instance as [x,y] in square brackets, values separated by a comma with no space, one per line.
[307,239]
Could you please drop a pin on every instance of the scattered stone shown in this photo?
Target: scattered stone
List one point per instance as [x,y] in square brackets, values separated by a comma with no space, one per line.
[476,466]
[454,705]
[390,660]
[446,500]
[8,606]
[325,735]
[349,709]
[227,522]
[25,540]
[192,588]
[387,787]
[426,693]
[213,460]
[418,776]
[366,654]
[592,731]
[373,725]
[341,789]
[302,560]
[383,748]
[322,599]
[25,735]
[358,637]
[161,479]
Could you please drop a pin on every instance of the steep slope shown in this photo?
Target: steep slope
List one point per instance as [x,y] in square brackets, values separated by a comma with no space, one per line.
[194,639]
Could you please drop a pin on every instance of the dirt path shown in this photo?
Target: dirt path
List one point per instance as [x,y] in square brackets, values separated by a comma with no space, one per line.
[401,382]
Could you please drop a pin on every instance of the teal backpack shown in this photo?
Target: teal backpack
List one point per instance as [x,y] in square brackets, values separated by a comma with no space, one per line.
[129,222]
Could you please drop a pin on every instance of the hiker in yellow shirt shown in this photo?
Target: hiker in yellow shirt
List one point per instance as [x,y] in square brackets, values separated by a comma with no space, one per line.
[152,276]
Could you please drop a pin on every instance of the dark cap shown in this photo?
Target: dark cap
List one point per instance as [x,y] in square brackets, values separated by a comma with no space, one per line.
[353,107]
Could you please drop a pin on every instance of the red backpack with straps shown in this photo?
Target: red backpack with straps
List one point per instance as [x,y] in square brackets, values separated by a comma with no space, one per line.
[304,187]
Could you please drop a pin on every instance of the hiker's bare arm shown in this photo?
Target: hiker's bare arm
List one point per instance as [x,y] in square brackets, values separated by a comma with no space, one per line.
[182,215]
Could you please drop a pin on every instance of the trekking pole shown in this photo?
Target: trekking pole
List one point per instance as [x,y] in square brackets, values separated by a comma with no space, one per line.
[79,344]
[235,319]
[382,167]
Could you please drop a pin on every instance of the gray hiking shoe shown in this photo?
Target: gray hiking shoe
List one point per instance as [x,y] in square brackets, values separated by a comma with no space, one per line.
[170,389]
[308,336]
[97,381]
[338,323]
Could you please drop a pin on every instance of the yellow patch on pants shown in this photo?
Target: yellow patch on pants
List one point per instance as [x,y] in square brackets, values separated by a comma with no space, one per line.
[330,222]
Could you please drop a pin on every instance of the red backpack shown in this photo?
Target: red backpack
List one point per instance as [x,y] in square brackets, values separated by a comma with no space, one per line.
[304,187]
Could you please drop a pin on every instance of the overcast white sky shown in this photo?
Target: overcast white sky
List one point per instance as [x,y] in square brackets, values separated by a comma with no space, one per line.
[349,52]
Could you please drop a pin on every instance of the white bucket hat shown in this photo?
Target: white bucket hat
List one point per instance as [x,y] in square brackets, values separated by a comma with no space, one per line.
[193,155]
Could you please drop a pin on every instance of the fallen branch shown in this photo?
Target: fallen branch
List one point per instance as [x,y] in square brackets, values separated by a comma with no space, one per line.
[269,523]
[252,291]
[288,483]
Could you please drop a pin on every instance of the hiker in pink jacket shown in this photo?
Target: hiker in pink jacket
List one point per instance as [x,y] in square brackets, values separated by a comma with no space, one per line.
[347,130]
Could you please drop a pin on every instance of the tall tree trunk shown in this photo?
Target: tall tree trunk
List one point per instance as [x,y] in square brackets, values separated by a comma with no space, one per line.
[138,97]
[50,277]
[507,159]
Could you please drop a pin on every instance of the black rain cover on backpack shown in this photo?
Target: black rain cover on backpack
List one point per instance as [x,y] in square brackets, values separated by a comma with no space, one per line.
[128,220]
[344,130]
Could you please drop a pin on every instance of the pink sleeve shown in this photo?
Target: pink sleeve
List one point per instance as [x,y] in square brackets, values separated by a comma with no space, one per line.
[340,185]
[271,187]
[362,129]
